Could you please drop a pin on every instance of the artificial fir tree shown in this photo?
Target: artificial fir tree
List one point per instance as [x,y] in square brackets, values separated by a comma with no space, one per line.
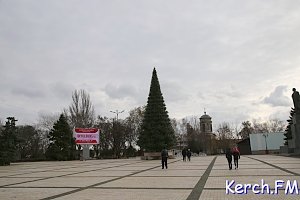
[62,143]
[156,132]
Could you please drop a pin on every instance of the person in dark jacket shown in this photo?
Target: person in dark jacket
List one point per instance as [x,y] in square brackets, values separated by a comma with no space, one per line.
[189,154]
[184,155]
[164,158]
[229,158]
[236,156]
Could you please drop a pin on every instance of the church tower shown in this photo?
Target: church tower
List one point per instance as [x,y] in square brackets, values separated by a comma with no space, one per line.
[206,133]
[205,124]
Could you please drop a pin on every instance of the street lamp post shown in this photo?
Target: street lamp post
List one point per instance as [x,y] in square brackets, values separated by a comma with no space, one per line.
[266,135]
[115,127]
[117,112]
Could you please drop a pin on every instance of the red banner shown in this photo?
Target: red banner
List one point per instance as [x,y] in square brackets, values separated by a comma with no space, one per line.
[86,135]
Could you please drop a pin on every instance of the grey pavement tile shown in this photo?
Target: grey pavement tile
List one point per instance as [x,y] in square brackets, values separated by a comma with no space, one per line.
[153,182]
[8,181]
[243,166]
[294,170]
[220,182]
[3,174]
[42,174]
[65,182]
[129,194]
[221,195]
[74,170]
[170,172]
[289,165]
[249,172]
[139,178]
[103,173]
[187,167]
[30,193]
[130,168]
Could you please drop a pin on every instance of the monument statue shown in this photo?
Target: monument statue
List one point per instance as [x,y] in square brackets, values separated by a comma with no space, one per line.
[296,100]
[296,122]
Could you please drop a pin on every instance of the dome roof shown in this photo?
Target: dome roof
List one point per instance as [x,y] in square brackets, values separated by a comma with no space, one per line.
[205,116]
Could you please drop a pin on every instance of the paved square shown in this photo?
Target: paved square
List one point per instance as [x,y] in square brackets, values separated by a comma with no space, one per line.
[203,178]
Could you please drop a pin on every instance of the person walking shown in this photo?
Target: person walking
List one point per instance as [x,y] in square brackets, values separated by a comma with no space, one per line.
[236,156]
[189,154]
[183,154]
[164,158]
[229,158]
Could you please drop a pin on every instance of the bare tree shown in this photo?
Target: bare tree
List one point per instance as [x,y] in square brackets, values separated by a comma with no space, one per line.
[46,121]
[246,130]
[225,136]
[44,126]
[271,126]
[105,144]
[133,125]
[81,112]
[277,125]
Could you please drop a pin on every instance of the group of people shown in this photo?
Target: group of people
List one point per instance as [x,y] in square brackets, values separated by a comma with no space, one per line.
[164,157]
[235,153]
[186,153]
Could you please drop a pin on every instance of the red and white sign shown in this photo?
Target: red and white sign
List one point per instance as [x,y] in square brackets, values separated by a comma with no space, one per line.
[86,135]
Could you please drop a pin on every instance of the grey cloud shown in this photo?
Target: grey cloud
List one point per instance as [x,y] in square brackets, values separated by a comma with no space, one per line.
[199,49]
[28,92]
[62,90]
[173,91]
[277,97]
[201,95]
[120,92]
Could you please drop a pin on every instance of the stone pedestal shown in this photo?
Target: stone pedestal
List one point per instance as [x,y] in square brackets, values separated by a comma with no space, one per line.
[86,152]
[296,132]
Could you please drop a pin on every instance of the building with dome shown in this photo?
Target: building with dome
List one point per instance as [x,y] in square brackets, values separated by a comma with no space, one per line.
[206,133]
[205,124]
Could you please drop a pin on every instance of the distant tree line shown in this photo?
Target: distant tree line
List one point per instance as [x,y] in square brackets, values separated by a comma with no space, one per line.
[188,133]
[52,138]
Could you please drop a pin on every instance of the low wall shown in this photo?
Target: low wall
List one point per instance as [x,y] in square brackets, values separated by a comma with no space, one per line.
[261,152]
[155,155]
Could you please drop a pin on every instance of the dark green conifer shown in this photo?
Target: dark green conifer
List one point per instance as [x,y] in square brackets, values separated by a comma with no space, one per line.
[288,130]
[8,142]
[62,143]
[157,131]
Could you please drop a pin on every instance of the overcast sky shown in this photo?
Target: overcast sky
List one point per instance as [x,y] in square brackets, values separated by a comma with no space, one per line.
[237,59]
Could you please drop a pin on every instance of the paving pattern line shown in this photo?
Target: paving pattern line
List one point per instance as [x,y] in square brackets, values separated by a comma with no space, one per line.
[104,182]
[241,175]
[275,166]
[196,192]
[3,186]
[86,165]
[141,188]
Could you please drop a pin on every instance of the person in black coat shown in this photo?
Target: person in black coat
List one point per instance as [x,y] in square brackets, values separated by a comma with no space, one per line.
[164,158]
[184,155]
[229,158]
[189,154]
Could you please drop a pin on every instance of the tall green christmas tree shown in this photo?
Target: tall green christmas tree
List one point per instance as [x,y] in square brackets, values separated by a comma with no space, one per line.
[157,131]
[62,143]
